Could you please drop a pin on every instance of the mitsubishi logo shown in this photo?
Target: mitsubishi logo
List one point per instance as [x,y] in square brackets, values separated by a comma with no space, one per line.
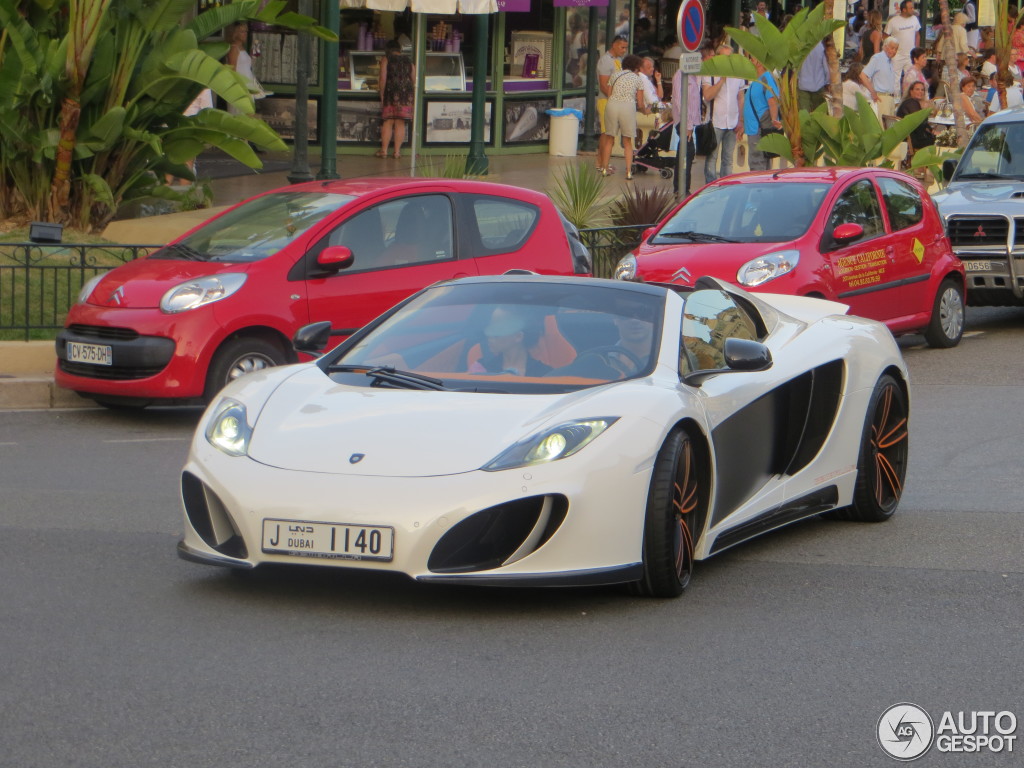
[681,274]
[117,295]
[355,458]
[981,232]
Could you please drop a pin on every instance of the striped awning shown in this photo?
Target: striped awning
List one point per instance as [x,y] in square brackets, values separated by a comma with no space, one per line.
[446,7]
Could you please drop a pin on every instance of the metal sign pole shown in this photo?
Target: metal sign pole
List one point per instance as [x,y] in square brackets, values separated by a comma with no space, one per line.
[684,85]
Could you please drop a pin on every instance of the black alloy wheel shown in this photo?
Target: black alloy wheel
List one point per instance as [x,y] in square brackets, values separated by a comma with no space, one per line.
[674,505]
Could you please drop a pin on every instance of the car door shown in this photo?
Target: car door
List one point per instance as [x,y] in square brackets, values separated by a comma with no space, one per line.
[766,426]
[399,246]
[915,245]
[500,233]
[862,271]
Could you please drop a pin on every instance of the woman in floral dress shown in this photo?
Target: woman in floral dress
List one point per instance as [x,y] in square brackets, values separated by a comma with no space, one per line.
[397,75]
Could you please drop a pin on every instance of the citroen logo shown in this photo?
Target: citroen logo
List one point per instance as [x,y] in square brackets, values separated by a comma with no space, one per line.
[681,274]
[117,295]
[981,232]
[355,458]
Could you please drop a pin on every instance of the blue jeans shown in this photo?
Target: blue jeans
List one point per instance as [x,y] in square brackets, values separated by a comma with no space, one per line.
[725,150]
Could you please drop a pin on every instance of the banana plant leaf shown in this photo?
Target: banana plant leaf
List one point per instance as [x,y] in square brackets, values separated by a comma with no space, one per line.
[196,66]
[776,143]
[730,65]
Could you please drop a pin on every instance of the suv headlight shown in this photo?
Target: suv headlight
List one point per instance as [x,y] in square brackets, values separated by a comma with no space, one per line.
[228,429]
[205,290]
[551,444]
[626,268]
[765,268]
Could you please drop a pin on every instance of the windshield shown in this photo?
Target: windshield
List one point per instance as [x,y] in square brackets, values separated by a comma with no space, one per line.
[510,336]
[768,212]
[997,152]
[257,229]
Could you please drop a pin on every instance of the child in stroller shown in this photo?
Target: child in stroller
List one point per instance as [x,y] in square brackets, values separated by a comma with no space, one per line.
[655,154]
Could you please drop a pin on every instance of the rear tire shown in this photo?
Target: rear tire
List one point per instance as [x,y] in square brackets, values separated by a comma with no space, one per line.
[675,505]
[238,357]
[882,463]
[947,324]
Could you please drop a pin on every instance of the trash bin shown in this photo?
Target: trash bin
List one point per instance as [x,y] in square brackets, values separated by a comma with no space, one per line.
[564,133]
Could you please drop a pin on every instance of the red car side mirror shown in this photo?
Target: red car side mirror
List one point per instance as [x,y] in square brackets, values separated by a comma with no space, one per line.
[846,233]
[647,233]
[335,257]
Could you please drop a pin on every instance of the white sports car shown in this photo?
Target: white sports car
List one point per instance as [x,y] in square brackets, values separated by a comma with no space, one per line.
[527,430]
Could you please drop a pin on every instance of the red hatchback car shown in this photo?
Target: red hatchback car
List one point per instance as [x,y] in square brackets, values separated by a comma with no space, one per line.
[870,238]
[226,298]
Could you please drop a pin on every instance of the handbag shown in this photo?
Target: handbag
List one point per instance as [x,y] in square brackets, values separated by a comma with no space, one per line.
[704,135]
[765,127]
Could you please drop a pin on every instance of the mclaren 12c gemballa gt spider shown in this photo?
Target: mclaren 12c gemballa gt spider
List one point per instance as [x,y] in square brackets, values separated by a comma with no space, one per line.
[537,430]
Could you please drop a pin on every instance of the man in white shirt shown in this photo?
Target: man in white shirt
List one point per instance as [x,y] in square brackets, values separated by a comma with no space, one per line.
[654,93]
[762,8]
[906,28]
[722,94]
[607,66]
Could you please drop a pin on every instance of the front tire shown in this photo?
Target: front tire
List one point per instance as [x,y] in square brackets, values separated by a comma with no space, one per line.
[882,463]
[238,357]
[947,324]
[676,499]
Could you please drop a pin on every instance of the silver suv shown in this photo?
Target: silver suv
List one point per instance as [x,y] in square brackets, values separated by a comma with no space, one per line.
[983,207]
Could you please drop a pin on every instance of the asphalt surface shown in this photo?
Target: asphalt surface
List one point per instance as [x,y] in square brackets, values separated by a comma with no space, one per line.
[783,652]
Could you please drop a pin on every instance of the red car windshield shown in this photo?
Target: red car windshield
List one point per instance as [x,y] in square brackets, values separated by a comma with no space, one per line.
[769,212]
[257,229]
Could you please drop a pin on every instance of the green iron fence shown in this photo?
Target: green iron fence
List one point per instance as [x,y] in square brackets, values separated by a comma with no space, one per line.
[609,244]
[38,283]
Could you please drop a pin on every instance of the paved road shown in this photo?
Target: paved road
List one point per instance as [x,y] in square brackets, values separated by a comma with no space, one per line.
[784,652]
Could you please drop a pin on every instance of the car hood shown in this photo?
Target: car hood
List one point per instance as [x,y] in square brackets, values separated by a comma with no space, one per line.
[142,283]
[683,263]
[313,424]
[981,197]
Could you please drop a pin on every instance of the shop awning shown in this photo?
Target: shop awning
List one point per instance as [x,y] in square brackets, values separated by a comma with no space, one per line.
[446,7]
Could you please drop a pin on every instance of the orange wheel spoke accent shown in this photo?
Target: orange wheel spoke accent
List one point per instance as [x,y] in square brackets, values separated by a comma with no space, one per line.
[895,435]
[886,468]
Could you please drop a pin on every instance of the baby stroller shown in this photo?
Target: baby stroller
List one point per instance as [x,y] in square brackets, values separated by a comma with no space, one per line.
[656,154]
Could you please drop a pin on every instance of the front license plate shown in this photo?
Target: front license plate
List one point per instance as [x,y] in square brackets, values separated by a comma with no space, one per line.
[978,266]
[328,540]
[97,354]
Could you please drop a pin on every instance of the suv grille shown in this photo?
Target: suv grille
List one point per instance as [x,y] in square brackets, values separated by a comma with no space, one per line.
[979,232]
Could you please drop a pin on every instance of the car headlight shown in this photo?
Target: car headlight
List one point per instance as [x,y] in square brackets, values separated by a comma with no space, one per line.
[205,290]
[626,268]
[551,444]
[89,287]
[228,429]
[765,268]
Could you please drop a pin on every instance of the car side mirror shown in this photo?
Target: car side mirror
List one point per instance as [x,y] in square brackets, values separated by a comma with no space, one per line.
[948,168]
[311,339]
[335,258]
[747,355]
[647,233]
[847,233]
[740,355]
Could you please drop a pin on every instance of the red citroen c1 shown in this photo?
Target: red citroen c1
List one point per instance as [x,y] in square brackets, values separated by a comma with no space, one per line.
[870,238]
[226,298]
